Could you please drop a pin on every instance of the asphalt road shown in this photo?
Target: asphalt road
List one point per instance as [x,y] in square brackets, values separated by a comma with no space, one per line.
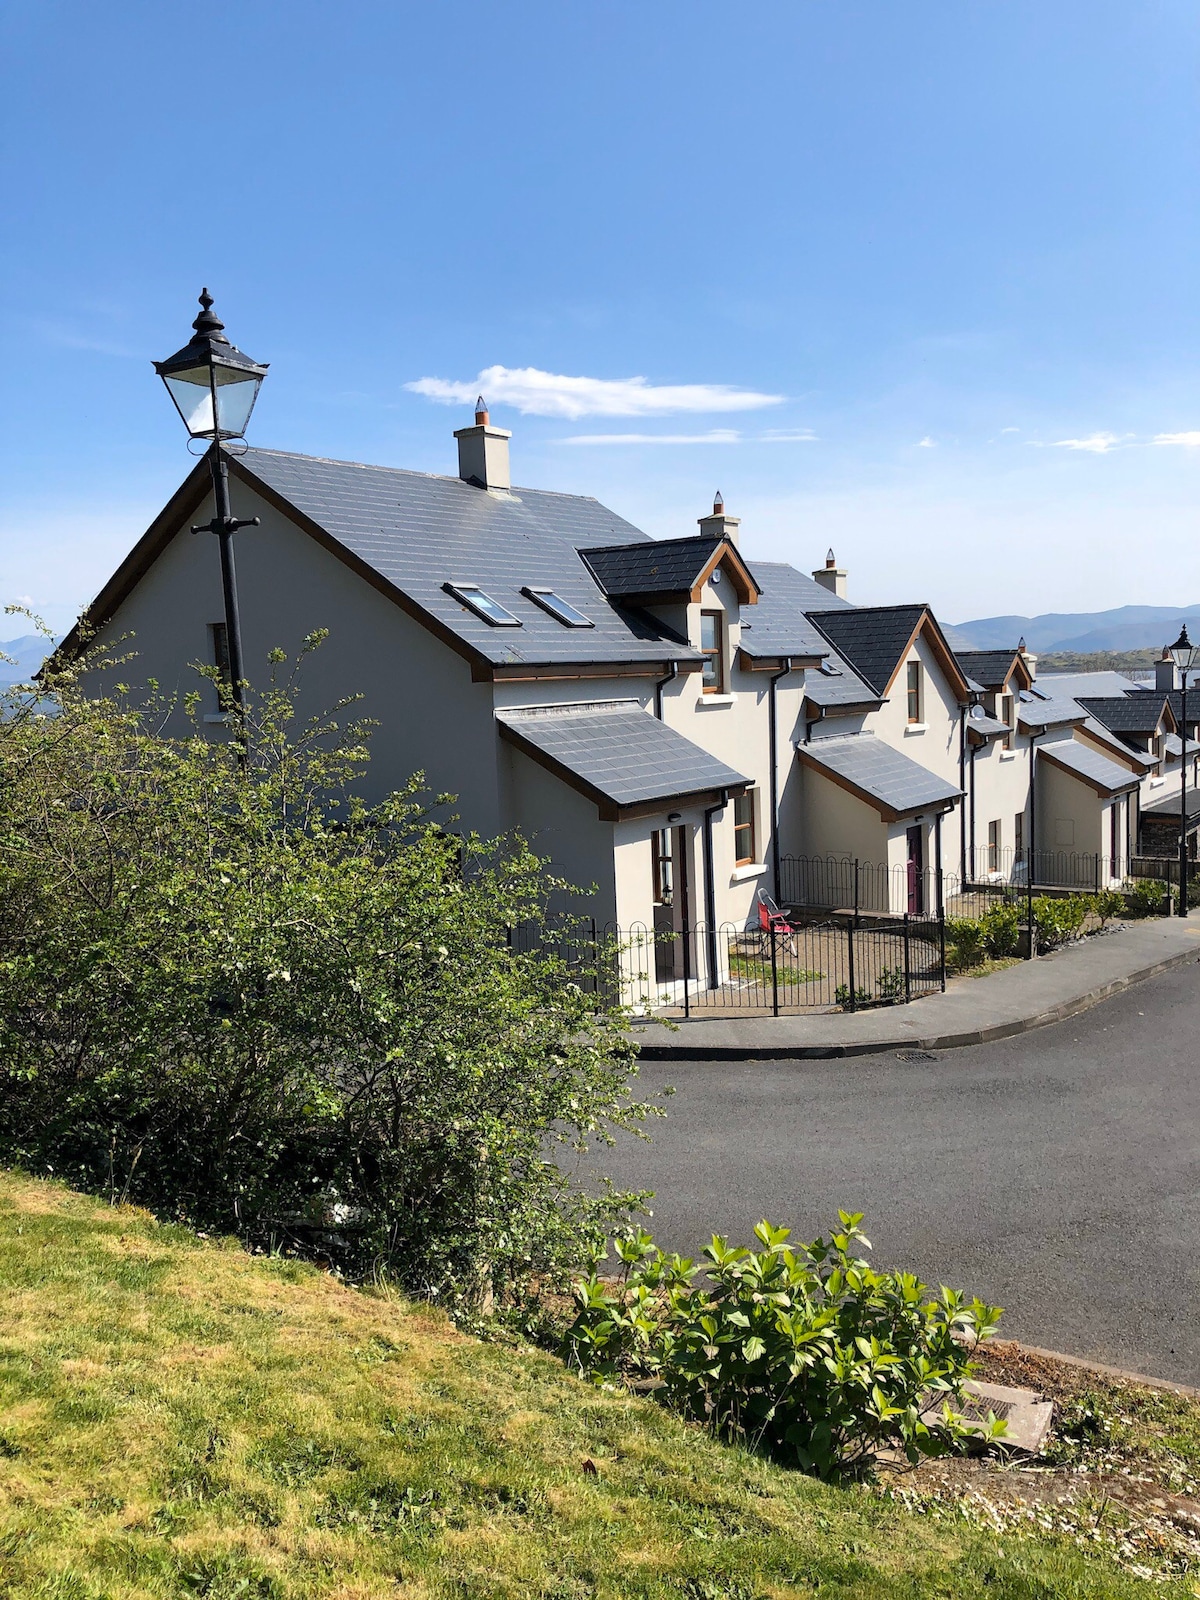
[1056,1174]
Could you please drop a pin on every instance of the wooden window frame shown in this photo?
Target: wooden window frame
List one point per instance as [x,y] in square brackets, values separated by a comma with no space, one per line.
[915,685]
[1007,705]
[218,649]
[742,828]
[995,835]
[716,653]
[664,866]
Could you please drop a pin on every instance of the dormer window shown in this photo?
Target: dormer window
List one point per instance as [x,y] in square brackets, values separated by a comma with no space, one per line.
[474,598]
[562,610]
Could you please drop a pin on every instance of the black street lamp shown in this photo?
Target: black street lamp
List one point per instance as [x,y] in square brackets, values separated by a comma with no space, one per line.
[1183,654]
[214,387]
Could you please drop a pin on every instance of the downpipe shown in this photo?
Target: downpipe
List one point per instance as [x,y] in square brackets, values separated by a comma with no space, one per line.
[710,889]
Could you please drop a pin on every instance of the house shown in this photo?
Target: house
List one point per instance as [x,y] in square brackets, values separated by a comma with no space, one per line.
[676,728]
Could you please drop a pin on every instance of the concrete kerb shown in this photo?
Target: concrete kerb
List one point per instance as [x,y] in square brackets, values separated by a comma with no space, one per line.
[685,1048]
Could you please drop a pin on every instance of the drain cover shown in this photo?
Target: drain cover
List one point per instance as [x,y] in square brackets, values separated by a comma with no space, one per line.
[915,1055]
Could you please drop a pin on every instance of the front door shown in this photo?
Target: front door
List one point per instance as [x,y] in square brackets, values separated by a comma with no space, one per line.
[916,870]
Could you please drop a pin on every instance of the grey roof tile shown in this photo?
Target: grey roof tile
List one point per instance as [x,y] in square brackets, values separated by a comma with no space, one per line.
[1096,770]
[419,532]
[1040,711]
[893,782]
[1127,713]
[651,566]
[618,751]
[988,667]
[778,625]
[873,639]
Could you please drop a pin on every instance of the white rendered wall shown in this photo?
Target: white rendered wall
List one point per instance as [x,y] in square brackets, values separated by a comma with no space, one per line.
[431,716]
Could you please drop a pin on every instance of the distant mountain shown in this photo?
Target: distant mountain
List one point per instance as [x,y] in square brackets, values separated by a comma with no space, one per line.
[26,654]
[1123,628]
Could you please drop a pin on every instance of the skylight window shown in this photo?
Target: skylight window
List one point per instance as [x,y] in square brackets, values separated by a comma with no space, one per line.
[830,671]
[559,608]
[482,604]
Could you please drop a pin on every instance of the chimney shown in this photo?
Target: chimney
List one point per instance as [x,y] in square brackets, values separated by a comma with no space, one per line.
[719,526]
[1166,673]
[483,453]
[1027,657]
[832,577]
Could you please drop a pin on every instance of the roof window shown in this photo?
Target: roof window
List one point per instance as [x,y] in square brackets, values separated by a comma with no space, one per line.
[830,670]
[559,608]
[472,596]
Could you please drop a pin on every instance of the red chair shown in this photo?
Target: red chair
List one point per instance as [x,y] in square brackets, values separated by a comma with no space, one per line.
[772,920]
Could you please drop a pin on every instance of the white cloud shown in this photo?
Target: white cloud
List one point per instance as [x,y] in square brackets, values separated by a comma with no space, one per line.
[1190,441]
[1098,444]
[788,436]
[1010,430]
[714,436]
[926,443]
[552,394]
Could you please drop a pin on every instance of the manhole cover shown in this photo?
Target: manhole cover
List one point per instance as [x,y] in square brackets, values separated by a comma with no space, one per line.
[915,1055]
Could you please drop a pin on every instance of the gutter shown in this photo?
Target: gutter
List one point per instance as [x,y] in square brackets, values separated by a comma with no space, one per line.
[774,758]
[710,888]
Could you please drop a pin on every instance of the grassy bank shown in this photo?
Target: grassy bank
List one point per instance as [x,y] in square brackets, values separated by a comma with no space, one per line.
[177,1418]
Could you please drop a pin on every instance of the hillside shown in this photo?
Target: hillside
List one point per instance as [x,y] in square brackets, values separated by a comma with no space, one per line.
[1124,628]
[179,1418]
[25,654]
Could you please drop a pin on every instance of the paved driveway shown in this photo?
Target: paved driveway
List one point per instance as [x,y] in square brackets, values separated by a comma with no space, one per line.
[1056,1174]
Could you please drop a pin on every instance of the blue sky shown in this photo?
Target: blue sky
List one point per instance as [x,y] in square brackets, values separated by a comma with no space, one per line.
[917,281]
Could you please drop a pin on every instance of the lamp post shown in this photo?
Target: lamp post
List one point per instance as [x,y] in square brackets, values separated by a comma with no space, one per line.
[214,387]
[1183,654]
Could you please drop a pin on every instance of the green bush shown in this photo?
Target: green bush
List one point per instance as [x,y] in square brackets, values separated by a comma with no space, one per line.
[1146,897]
[233,993]
[964,942]
[807,1352]
[1001,929]
[1108,903]
[1059,920]
[841,996]
[891,984]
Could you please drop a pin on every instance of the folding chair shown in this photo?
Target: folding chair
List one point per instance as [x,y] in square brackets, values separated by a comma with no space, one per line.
[772,920]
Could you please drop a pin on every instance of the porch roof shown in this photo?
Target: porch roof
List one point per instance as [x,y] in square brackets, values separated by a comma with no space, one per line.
[617,754]
[894,784]
[1090,767]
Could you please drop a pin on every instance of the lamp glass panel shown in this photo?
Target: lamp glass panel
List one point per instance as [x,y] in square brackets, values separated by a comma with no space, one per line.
[193,400]
[237,391]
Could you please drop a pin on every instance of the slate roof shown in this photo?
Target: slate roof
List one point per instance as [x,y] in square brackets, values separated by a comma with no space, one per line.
[1168,806]
[1096,770]
[419,532]
[655,566]
[1176,700]
[871,638]
[1105,736]
[1074,684]
[988,667]
[1128,713]
[986,727]
[616,753]
[895,784]
[835,686]
[1040,711]
[778,625]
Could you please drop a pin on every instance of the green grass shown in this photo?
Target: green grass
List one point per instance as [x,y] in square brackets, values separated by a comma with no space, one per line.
[757,969]
[178,1418]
